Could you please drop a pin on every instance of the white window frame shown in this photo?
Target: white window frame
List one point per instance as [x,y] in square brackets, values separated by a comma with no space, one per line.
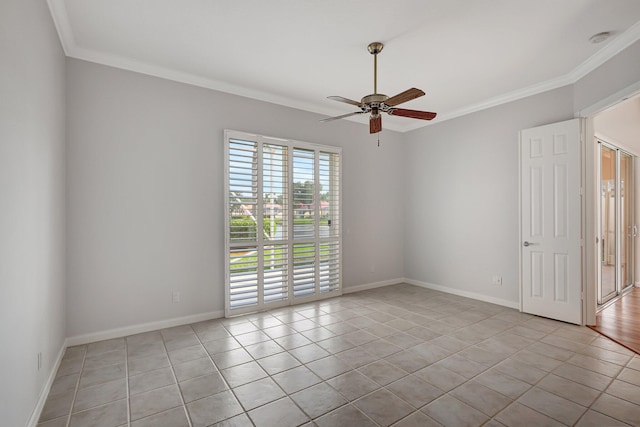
[290,240]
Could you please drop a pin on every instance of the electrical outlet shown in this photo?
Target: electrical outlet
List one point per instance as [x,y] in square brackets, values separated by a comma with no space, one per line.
[175,296]
[39,360]
[497,280]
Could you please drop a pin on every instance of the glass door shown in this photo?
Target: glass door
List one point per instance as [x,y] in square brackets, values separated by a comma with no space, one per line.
[616,222]
[607,288]
[627,190]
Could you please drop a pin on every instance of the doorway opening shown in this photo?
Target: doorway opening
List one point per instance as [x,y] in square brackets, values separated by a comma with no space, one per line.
[616,222]
[613,307]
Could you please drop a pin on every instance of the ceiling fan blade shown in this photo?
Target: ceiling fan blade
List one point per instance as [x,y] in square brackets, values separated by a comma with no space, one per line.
[345,100]
[375,124]
[330,119]
[414,114]
[405,96]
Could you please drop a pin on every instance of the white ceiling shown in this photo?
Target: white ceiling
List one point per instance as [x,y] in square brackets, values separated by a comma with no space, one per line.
[465,54]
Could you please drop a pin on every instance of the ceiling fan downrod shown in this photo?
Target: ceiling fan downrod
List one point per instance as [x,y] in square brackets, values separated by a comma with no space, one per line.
[375,48]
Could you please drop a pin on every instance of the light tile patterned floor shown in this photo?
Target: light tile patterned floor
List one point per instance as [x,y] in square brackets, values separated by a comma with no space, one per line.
[399,355]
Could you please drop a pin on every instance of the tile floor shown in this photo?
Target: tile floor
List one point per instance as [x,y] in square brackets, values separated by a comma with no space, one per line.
[399,355]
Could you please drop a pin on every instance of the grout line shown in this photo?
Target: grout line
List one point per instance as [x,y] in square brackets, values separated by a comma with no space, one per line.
[220,373]
[75,392]
[395,309]
[323,381]
[564,362]
[270,376]
[175,378]
[302,364]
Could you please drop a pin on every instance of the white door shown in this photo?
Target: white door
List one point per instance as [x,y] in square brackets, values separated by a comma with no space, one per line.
[550,224]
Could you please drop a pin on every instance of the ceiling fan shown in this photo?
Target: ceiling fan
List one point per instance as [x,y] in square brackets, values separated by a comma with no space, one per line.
[376,103]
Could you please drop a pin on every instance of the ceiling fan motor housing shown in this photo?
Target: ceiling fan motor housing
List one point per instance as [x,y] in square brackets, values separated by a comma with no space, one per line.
[374,100]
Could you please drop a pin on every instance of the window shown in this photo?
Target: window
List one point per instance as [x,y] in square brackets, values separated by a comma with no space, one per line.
[283,222]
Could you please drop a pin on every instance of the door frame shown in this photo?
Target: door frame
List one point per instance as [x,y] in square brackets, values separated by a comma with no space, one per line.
[591,193]
[619,150]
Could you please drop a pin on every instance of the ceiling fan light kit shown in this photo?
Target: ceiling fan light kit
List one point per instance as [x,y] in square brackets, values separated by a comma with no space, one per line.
[376,103]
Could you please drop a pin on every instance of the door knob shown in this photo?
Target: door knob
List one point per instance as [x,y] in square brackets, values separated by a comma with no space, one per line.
[525,244]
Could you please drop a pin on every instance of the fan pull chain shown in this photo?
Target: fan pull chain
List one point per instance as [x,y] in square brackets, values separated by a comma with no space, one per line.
[378,139]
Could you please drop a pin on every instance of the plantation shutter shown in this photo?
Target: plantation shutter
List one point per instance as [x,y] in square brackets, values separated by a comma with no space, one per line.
[283,222]
[329,177]
[243,203]
[304,224]
[275,188]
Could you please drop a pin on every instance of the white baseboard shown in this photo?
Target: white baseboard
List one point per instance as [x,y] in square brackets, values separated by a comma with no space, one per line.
[467,294]
[105,335]
[142,327]
[366,286]
[185,320]
[44,393]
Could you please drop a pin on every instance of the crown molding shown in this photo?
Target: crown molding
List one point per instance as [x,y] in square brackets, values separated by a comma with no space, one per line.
[153,70]
[611,100]
[61,21]
[614,47]
[499,100]
[71,49]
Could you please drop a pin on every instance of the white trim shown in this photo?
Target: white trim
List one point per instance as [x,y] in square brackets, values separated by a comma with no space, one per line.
[496,101]
[142,327]
[467,294]
[591,197]
[153,70]
[367,286]
[583,221]
[105,335]
[614,47]
[177,321]
[520,276]
[445,289]
[61,21]
[610,101]
[44,393]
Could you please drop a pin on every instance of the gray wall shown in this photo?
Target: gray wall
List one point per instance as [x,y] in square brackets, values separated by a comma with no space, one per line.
[461,209]
[461,218]
[145,194]
[614,75]
[32,224]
